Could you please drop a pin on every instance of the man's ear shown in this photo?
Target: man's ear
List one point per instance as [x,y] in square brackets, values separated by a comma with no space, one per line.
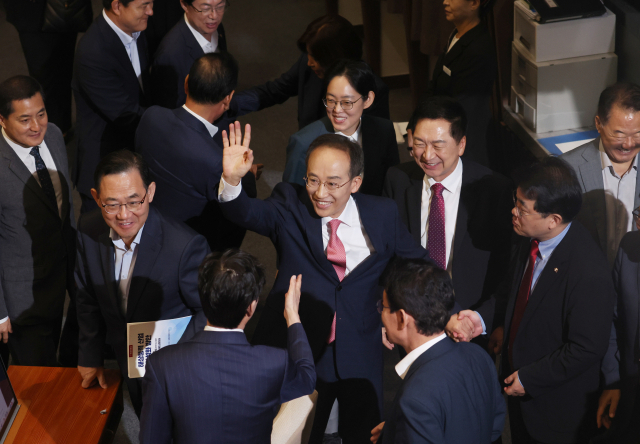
[186,85]
[401,318]
[356,183]
[96,196]
[227,99]
[115,7]
[251,309]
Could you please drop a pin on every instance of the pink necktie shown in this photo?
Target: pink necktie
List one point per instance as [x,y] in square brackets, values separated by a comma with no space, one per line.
[436,240]
[338,258]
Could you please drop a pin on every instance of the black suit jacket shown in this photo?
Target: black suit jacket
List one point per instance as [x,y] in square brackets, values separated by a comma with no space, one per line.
[562,338]
[473,66]
[433,403]
[109,98]
[216,388]
[301,81]
[37,246]
[172,62]
[187,165]
[482,238]
[164,283]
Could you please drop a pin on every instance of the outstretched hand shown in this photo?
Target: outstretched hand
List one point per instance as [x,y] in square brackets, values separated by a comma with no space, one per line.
[292,300]
[237,158]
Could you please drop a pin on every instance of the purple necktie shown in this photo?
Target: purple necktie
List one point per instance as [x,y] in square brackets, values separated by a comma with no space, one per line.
[436,239]
[338,258]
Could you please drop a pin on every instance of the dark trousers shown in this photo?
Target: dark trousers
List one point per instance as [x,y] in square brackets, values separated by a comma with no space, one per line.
[49,58]
[68,353]
[134,385]
[34,345]
[359,406]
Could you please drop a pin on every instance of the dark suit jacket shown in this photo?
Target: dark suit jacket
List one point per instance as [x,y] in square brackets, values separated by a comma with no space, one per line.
[449,395]
[187,165]
[172,62]
[25,16]
[37,247]
[482,237]
[301,81]
[164,283]
[378,143]
[562,337]
[109,99]
[290,221]
[473,67]
[216,388]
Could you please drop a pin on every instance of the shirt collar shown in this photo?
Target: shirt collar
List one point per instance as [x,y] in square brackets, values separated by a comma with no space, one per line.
[451,182]
[348,217]
[545,248]
[200,38]
[22,152]
[403,366]
[124,37]
[210,328]
[606,162]
[210,126]
[118,242]
[353,137]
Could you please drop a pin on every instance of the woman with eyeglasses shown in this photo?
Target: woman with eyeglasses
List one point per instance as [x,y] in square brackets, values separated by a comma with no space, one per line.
[350,89]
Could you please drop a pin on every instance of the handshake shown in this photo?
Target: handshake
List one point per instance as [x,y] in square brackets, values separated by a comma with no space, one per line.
[467,325]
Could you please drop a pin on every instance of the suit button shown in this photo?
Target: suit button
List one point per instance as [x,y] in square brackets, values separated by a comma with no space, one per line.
[339,287]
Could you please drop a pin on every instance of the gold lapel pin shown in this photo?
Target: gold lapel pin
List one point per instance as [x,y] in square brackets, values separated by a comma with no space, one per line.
[555,269]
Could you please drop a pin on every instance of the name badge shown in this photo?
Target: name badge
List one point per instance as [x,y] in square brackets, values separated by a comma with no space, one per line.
[446,70]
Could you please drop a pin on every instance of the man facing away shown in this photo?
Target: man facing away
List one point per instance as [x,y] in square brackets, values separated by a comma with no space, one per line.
[217,388]
[450,392]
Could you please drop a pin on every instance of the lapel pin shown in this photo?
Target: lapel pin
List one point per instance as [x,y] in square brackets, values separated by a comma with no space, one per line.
[555,269]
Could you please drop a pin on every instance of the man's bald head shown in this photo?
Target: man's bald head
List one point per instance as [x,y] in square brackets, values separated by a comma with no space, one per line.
[212,78]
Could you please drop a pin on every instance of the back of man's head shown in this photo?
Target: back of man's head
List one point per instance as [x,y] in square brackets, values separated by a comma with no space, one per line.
[422,290]
[228,283]
[441,107]
[329,38]
[553,185]
[212,78]
[17,88]
[624,95]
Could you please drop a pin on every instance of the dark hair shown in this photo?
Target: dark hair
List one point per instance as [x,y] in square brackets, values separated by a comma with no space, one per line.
[422,290]
[107,3]
[17,88]
[625,95]
[212,78]
[553,184]
[485,7]
[340,143]
[358,73]
[228,283]
[329,38]
[122,161]
[441,107]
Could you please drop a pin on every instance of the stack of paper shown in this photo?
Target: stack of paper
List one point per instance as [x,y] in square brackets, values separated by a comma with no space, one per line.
[524,6]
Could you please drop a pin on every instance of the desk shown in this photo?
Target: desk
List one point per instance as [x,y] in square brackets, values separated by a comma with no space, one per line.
[60,411]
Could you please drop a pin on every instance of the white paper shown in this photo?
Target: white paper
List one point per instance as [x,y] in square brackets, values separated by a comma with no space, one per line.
[568,146]
[144,338]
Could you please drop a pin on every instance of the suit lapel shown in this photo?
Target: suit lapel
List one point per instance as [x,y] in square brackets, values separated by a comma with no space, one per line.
[107,258]
[368,217]
[462,218]
[54,149]
[591,177]
[521,258]
[149,247]
[414,207]
[195,50]
[120,52]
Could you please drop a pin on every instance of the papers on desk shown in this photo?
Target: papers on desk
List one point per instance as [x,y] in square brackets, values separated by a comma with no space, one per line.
[144,338]
[562,144]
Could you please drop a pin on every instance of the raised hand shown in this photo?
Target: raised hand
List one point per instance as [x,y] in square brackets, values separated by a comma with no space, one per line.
[292,300]
[237,158]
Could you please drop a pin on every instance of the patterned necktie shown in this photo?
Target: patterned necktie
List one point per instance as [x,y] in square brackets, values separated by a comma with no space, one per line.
[436,240]
[523,297]
[43,175]
[338,258]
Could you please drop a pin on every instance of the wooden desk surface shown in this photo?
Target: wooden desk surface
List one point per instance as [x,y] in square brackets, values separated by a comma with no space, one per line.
[60,411]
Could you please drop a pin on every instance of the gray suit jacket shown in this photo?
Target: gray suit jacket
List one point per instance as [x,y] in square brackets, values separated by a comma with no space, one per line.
[37,247]
[586,162]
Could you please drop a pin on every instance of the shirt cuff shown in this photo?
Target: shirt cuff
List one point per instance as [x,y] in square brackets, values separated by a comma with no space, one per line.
[3,320]
[227,192]
[520,381]
[484,327]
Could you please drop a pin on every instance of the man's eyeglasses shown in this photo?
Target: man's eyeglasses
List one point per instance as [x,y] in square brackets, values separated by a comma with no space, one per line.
[636,213]
[381,306]
[131,206]
[519,212]
[344,104]
[314,184]
[206,10]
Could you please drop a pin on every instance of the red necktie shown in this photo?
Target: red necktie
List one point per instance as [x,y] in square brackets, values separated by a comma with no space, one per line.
[436,240]
[523,297]
[338,258]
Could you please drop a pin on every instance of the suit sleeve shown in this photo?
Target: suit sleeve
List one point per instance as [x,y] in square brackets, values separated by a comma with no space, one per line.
[420,423]
[156,423]
[192,257]
[588,326]
[300,373]
[280,90]
[295,168]
[92,330]
[611,363]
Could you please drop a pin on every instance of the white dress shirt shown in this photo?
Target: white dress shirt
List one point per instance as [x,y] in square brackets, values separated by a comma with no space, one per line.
[211,328]
[129,42]
[454,40]
[451,195]
[403,366]
[207,46]
[619,197]
[356,136]
[125,261]
[30,162]
[351,232]
[210,126]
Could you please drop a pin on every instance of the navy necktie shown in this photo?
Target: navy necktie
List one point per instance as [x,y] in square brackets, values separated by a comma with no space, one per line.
[43,175]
